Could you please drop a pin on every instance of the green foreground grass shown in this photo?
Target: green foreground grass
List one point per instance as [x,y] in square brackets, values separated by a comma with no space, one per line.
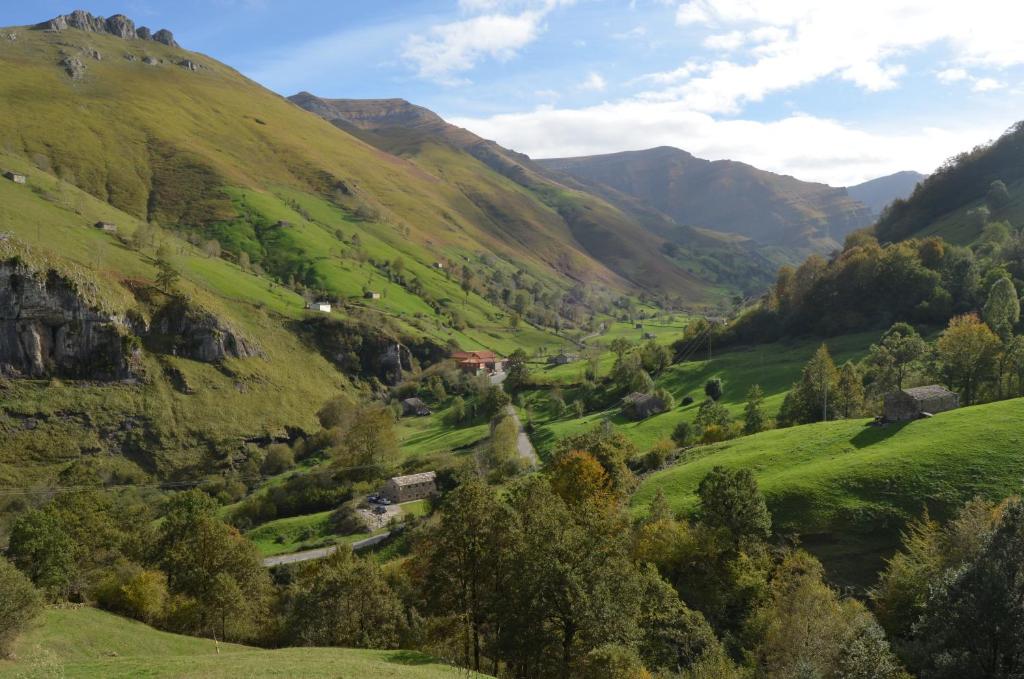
[848,488]
[88,643]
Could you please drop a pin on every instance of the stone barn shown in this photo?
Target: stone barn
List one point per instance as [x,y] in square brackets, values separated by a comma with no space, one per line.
[639,406]
[15,177]
[411,487]
[911,404]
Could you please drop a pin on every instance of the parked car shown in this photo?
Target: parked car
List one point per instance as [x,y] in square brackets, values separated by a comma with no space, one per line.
[373,498]
[380,510]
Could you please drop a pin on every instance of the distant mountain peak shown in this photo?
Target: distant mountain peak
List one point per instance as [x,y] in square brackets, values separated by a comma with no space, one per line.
[368,113]
[117,25]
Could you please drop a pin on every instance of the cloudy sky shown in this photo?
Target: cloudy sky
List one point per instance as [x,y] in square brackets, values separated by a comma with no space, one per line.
[824,90]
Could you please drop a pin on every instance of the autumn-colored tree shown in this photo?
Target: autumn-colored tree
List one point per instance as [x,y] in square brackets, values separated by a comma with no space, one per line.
[849,391]
[967,351]
[578,478]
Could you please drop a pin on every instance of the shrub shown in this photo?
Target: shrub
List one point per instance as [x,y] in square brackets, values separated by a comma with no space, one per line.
[133,591]
[687,400]
[19,605]
[683,434]
[713,389]
[280,458]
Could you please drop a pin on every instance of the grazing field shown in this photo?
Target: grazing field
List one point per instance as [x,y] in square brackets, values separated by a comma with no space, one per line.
[87,643]
[772,366]
[848,488]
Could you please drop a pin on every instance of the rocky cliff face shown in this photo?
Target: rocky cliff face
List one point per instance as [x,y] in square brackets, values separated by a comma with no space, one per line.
[47,329]
[182,330]
[118,25]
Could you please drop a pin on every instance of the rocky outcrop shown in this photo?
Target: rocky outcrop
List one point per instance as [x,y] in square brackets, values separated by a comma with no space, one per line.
[365,350]
[121,26]
[73,66]
[395,362]
[182,330]
[189,65]
[47,329]
[118,25]
[166,37]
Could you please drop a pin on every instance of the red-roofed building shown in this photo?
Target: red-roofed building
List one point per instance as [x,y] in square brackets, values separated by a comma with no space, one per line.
[479,362]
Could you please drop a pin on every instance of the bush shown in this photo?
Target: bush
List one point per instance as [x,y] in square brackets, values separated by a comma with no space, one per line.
[713,389]
[687,400]
[133,591]
[20,603]
[658,455]
[683,434]
[280,458]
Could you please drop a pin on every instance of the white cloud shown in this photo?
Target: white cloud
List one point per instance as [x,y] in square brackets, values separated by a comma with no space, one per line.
[593,83]
[725,41]
[804,146]
[952,75]
[987,85]
[785,44]
[673,77]
[455,47]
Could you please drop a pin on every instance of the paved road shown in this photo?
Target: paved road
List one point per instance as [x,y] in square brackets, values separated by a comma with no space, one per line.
[311,554]
[526,449]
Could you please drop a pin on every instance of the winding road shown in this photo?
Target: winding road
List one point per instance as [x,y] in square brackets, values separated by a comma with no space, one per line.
[523,444]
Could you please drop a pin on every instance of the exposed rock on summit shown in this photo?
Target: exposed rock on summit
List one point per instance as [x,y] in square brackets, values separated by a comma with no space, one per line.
[118,25]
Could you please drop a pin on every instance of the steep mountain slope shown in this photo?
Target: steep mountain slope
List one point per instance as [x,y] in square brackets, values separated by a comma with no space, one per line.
[942,204]
[876,194]
[513,190]
[253,204]
[723,195]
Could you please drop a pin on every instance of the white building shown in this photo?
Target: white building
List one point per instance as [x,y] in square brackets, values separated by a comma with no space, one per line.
[325,307]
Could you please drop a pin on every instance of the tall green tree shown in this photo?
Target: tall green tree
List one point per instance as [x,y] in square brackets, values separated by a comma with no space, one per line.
[754,417]
[20,603]
[518,371]
[42,549]
[1002,309]
[849,391]
[813,397]
[213,567]
[731,501]
[342,600]
[898,352]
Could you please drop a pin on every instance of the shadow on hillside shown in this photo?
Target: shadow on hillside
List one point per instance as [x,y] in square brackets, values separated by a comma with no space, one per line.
[871,434]
[409,658]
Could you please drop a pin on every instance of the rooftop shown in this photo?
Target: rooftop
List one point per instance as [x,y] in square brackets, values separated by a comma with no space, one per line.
[411,479]
[930,391]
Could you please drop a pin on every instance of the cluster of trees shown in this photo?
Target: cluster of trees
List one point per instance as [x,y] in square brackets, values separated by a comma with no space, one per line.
[950,600]
[190,572]
[553,579]
[925,281]
[980,359]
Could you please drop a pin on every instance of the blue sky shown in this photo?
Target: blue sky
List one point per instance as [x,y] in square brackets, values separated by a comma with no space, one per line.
[826,91]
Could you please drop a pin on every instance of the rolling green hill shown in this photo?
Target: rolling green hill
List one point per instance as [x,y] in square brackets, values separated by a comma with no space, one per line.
[847,488]
[86,643]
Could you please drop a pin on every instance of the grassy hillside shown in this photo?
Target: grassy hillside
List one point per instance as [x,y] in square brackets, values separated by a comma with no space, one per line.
[517,196]
[848,488]
[772,366]
[941,202]
[87,643]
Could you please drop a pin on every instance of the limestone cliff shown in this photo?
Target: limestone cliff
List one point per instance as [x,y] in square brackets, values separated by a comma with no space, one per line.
[47,329]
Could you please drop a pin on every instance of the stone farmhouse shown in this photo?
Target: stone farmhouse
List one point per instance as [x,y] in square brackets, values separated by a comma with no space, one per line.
[911,404]
[411,487]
